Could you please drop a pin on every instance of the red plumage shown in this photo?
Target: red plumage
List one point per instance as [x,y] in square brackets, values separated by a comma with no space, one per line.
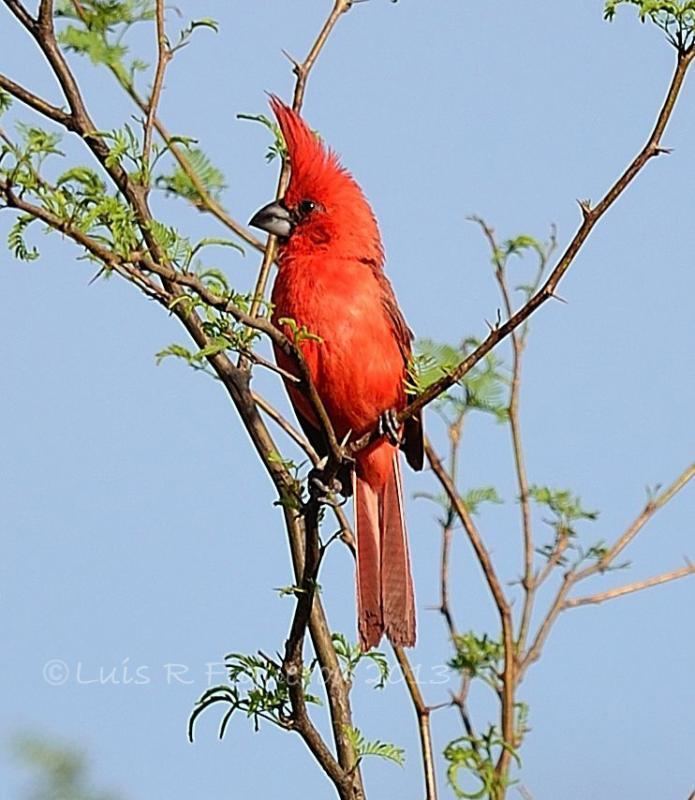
[331,280]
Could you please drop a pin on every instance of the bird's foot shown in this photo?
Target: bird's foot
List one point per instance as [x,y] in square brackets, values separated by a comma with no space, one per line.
[389,427]
[318,488]
[322,490]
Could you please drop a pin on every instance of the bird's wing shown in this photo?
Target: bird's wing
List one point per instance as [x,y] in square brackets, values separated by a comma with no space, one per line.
[413,444]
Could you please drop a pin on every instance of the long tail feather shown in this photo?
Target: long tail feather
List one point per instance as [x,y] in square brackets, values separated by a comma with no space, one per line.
[397,597]
[370,618]
[385,598]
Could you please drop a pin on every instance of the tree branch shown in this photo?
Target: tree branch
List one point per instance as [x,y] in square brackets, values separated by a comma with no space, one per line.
[574,576]
[518,343]
[293,663]
[302,71]
[503,607]
[636,586]
[21,13]
[654,505]
[422,712]
[36,103]
[163,58]
[236,385]
[207,201]
[592,216]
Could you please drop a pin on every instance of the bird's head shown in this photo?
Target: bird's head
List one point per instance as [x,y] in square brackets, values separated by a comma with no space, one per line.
[324,209]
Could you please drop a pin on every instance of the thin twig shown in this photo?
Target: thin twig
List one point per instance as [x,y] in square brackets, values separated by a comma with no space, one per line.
[206,202]
[629,588]
[289,429]
[21,13]
[503,607]
[234,381]
[515,427]
[35,102]
[455,432]
[163,58]
[654,505]
[572,577]
[422,712]
[302,71]
[591,217]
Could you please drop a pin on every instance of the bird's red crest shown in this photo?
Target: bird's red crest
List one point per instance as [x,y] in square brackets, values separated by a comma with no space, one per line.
[344,220]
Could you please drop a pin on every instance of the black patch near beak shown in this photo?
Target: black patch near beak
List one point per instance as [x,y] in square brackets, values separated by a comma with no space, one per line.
[274,218]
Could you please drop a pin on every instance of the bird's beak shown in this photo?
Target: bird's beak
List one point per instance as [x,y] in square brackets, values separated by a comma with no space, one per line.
[274,218]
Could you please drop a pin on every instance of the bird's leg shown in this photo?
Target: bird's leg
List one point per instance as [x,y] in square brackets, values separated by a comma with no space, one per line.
[319,489]
[389,427]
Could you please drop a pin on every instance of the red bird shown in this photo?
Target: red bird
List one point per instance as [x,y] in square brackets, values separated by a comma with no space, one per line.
[331,280]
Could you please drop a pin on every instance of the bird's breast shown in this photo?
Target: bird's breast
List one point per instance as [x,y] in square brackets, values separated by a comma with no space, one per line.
[347,338]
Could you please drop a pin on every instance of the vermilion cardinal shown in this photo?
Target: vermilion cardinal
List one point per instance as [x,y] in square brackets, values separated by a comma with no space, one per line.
[331,280]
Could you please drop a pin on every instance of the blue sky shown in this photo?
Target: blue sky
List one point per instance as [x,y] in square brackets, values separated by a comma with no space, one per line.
[137,529]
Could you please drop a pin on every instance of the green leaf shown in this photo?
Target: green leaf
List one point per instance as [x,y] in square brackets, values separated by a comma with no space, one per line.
[179,184]
[16,241]
[676,18]
[474,498]
[478,656]
[256,687]
[174,351]
[350,655]
[364,748]
[5,101]
[278,147]
[485,387]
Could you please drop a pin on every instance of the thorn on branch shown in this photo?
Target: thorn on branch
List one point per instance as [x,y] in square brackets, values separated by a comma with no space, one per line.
[658,150]
[586,209]
[297,67]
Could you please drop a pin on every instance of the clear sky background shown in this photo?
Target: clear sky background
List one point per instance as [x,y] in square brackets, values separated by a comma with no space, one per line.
[137,528]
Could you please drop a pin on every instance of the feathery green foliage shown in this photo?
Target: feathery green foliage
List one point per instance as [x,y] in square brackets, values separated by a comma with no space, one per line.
[178,183]
[278,146]
[485,388]
[675,17]
[257,688]
[476,757]
[364,748]
[5,101]
[350,656]
[478,656]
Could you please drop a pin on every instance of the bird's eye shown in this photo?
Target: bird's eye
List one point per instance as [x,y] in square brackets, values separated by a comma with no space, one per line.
[306,207]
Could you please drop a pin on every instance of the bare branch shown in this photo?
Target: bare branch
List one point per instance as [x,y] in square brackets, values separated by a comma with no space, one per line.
[455,433]
[21,13]
[45,18]
[651,149]
[207,201]
[650,509]
[636,586]
[293,664]
[572,577]
[515,427]
[289,429]
[472,532]
[346,533]
[302,71]
[35,102]
[163,58]
[422,712]
[503,607]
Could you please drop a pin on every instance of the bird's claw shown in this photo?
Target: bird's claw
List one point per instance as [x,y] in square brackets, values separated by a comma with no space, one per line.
[389,427]
[322,491]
